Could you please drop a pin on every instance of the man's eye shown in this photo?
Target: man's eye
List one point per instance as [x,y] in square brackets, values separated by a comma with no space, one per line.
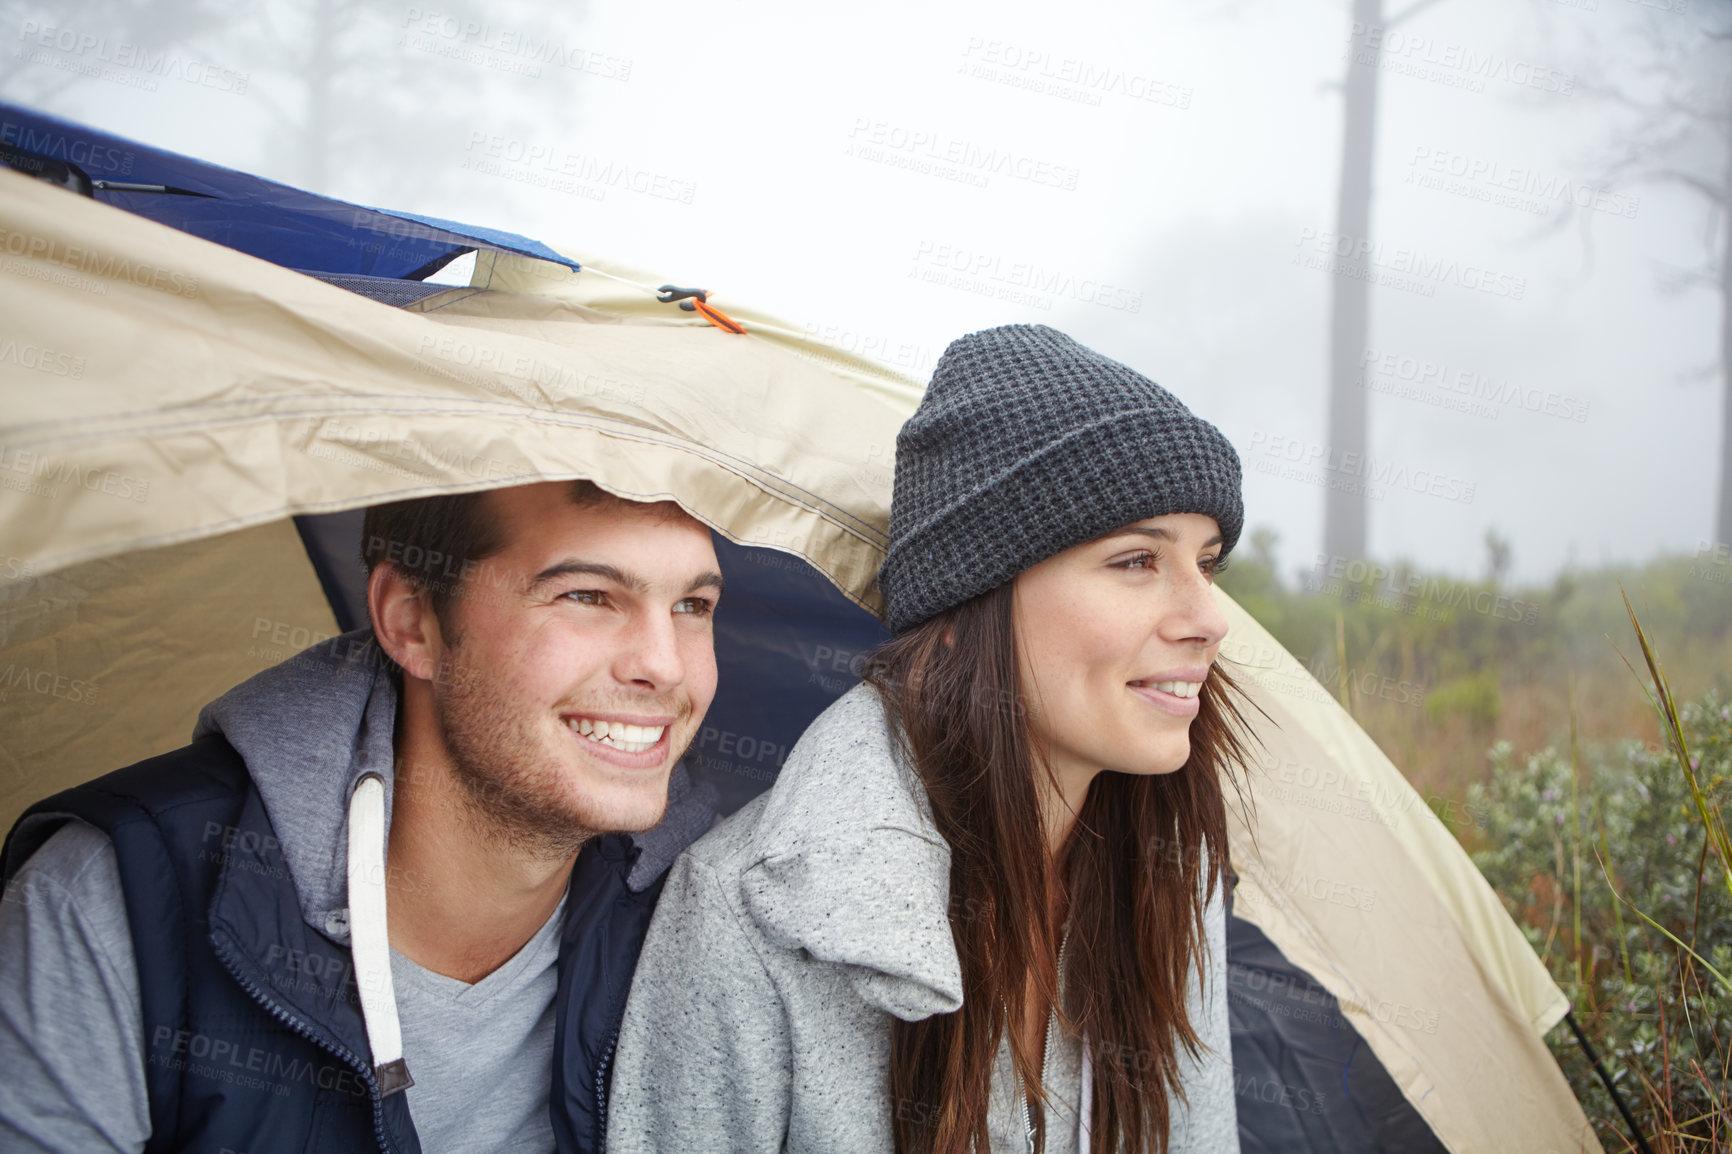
[586,596]
[697,606]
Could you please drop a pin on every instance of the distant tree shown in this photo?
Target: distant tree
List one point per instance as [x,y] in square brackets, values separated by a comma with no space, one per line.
[153,26]
[1251,577]
[1350,296]
[1498,557]
[1263,542]
[358,94]
[375,84]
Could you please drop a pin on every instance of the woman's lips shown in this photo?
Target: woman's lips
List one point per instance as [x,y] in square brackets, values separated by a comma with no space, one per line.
[1169,703]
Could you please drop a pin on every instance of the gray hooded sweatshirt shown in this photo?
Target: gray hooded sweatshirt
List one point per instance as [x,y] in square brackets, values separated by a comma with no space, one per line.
[788,939]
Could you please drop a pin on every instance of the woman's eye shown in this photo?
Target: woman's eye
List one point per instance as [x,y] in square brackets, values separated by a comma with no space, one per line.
[1214,566]
[1140,561]
[697,606]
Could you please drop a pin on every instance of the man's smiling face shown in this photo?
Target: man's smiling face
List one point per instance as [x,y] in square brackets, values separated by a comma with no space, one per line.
[578,663]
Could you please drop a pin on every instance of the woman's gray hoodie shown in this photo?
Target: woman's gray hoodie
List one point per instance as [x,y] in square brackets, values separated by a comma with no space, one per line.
[787,939]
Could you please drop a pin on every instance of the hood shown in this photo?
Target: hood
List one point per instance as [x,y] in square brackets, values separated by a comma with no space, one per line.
[846,864]
[311,727]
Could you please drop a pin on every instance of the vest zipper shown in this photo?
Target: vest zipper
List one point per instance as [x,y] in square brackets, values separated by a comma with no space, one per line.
[605,1062]
[601,1088]
[360,1065]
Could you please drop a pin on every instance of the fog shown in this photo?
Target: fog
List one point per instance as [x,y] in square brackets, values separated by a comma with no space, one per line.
[1158,179]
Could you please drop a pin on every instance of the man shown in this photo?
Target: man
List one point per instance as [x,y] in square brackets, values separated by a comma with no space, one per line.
[195,952]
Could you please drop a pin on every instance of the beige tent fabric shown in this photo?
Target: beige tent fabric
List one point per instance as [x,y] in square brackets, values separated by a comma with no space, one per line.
[623,292]
[1348,871]
[225,392]
[108,662]
[168,403]
[1352,785]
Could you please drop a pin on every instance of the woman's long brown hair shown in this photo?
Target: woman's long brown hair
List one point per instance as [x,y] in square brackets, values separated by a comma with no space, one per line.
[1144,855]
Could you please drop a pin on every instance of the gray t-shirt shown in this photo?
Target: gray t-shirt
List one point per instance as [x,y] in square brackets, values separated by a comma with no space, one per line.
[482,1055]
[72,1030]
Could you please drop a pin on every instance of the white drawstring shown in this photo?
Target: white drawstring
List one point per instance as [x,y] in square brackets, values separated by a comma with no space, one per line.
[369,942]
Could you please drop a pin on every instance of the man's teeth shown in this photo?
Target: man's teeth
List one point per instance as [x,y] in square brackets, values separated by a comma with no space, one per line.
[1176,688]
[617,734]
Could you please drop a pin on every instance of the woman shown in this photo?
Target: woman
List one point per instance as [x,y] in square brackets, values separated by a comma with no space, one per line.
[981,906]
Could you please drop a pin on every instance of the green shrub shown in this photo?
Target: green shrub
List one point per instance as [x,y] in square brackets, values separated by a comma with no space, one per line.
[1661,1021]
[1474,697]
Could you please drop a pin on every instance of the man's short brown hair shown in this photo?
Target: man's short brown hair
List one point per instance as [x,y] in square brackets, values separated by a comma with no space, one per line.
[436,542]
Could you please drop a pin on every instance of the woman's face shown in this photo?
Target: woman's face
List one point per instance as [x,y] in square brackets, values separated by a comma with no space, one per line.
[1114,639]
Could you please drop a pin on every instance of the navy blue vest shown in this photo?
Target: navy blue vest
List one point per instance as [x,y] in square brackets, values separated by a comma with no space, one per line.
[253,1033]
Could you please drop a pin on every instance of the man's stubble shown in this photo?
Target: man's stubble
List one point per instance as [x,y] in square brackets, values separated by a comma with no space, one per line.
[515,788]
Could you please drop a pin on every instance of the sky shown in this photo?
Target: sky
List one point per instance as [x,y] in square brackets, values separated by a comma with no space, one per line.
[1156,178]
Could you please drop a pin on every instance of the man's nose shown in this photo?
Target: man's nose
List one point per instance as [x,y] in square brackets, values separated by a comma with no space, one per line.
[649,655]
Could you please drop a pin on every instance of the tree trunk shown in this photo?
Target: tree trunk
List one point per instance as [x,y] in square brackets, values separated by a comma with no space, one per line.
[1349,295]
[1723,513]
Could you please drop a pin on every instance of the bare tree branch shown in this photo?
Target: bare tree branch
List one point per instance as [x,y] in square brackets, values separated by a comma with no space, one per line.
[1677,126]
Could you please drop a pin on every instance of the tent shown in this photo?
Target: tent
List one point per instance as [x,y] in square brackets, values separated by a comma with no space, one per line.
[203,389]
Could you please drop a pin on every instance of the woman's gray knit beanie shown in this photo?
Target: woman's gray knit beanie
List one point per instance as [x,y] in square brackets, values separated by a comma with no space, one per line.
[1026,444]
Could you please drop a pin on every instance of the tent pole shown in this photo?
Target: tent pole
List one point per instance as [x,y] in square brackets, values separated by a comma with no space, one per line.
[1588,1049]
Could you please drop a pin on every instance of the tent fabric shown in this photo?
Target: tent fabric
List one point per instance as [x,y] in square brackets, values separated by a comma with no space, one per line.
[390,290]
[1340,785]
[272,221]
[108,662]
[1345,868]
[170,404]
[1303,1077]
[197,423]
[623,290]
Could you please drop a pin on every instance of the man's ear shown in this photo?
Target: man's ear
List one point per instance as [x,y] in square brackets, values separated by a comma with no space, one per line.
[404,622]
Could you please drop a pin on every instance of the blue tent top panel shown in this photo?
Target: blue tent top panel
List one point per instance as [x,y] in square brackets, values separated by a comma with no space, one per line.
[482,237]
[286,226]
